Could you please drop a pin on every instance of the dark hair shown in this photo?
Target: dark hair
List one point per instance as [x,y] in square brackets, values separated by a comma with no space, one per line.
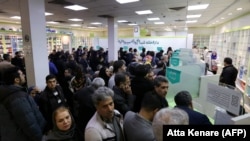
[120,78]
[183,98]
[117,64]
[143,49]
[158,80]
[151,102]
[50,76]
[10,74]
[6,56]
[228,60]
[141,70]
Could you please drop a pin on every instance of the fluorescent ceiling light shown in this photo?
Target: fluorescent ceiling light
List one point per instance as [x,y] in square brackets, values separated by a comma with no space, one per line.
[126,1]
[96,23]
[230,13]
[75,7]
[194,21]
[198,7]
[75,25]
[159,23]
[51,22]
[193,16]
[122,21]
[76,20]
[153,19]
[143,12]
[48,14]
[132,24]
[16,17]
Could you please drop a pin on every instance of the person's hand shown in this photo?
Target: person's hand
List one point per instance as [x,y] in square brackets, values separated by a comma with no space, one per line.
[127,89]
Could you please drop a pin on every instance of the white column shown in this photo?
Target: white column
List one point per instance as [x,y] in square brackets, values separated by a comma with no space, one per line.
[112,40]
[189,39]
[34,41]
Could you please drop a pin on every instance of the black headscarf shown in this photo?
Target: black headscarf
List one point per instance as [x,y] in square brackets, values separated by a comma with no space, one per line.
[57,134]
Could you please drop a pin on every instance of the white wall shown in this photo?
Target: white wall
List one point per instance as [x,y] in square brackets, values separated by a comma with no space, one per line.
[148,43]
[168,33]
[201,30]
[233,25]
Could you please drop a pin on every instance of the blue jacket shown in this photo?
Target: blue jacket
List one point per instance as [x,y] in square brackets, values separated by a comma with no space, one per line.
[20,117]
[195,118]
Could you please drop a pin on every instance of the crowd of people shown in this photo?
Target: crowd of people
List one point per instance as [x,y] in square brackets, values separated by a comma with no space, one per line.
[87,98]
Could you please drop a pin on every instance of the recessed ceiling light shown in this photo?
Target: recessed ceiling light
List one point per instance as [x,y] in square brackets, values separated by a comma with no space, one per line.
[193,16]
[132,24]
[143,12]
[75,25]
[159,23]
[96,23]
[194,21]
[16,17]
[153,19]
[48,14]
[51,22]
[198,7]
[222,18]
[126,1]
[229,13]
[75,7]
[76,20]
[122,21]
[239,9]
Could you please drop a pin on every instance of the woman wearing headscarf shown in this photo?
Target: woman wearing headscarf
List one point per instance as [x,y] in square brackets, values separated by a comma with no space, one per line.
[64,127]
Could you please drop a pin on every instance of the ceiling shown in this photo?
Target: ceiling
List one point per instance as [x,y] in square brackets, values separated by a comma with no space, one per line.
[169,12]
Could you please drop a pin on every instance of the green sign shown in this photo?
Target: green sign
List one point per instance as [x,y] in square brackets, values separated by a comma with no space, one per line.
[175,54]
[175,61]
[173,75]
[140,48]
[177,50]
[159,49]
[125,48]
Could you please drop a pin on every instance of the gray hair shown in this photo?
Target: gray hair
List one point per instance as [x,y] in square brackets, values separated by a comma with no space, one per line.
[101,94]
[168,116]
[98,82]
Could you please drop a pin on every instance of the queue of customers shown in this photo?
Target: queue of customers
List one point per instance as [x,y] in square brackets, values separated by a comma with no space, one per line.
[107,103]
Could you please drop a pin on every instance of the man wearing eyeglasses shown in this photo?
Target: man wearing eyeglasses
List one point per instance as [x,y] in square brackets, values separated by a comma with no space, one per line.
[51,98]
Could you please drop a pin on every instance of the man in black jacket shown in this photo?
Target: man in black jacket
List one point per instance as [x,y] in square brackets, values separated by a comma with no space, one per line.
[51,98]
[123,98]
[229,73]
[20,117]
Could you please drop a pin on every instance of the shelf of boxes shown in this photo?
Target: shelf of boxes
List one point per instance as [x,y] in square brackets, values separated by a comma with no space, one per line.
[10,42]
[201,41]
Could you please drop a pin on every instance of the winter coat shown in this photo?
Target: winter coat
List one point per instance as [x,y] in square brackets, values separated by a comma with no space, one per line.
[20,117]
